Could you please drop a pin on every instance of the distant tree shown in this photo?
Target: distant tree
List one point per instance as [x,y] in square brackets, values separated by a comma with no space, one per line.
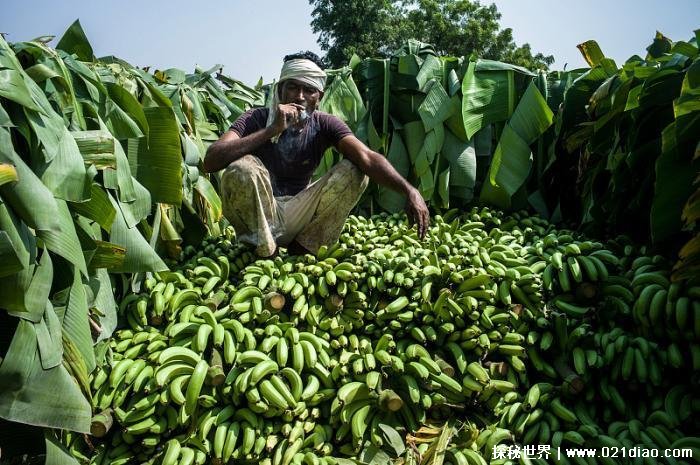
[374,28]
[355,26]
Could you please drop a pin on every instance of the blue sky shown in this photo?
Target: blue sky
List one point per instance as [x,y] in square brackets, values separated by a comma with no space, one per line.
[250,37]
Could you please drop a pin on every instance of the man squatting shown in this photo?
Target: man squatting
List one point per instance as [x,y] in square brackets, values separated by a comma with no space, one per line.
[269,155]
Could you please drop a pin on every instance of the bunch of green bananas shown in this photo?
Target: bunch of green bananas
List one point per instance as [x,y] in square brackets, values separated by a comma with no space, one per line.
[293,360]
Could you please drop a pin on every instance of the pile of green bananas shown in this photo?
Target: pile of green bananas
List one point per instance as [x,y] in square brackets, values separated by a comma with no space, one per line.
[521,332]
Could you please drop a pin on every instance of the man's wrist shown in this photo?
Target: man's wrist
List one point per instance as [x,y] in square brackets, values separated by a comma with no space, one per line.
[271,131]
[408,189]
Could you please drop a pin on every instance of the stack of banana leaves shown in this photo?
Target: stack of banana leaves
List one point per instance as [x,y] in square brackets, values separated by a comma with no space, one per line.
[627,139]
[458,129]
[581,146]
[98,175]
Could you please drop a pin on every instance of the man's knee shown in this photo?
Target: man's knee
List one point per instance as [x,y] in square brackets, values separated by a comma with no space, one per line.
[346,169]
[243,169]
[243,174]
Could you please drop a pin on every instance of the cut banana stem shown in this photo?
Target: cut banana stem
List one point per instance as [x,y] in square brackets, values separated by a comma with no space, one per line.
[101,423]
[274,301]
[390,401]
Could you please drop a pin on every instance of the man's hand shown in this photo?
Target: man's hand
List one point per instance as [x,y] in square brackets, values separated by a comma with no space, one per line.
[288,114]
[417,212]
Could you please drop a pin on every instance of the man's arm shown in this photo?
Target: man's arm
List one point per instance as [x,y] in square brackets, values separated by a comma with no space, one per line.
[230,147]
[379,170]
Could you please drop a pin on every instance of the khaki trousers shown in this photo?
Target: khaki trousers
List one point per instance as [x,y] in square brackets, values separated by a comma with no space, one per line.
[313,217]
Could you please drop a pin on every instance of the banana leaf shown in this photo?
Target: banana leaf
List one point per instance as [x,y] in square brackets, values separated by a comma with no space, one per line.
[97,148]
[30,199]
[183,115]
[490,90]
[488,97]
[426,185]
[21,253]
[37,293]
[414,136]
[689,99]
[403,105]
[385,101]
[134,212]
[75,321]
[9,258]
[509,168]
[389,199]
[56,453]
[684,48]
[432,145]
[229,110]
[462,159]
[532,116]
[591,52]
[64,242]
[129,105]
[191,98]
[149,93]
[416,47]
[104,303]
[86,83]
[156,161]
[166,231]
[51,71]
[14,288]
[343,99]
[65,175]
[409,65]
[454,84]
[432,68]
[512,158]
[75,42]
[675,175]
[659,47]
[455,122]
[120,123]
[171,76]
[242,95]
[13,83]
[29,394]
[5,121]
[107,255]
[48,129]
[367,133]
[209,195]
[120,179]
[140,256]
[444,188]
[16,247]
[436,107]
[191,151]
[98,208]
[49,338]
[577,96]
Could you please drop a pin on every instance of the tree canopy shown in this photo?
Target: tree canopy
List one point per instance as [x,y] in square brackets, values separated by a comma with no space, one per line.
[375,28]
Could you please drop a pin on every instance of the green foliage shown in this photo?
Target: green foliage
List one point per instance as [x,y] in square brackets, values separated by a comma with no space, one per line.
[627,140]
[98,160]
[376,28]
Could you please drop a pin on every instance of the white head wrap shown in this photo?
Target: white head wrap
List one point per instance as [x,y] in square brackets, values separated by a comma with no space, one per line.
[299,69]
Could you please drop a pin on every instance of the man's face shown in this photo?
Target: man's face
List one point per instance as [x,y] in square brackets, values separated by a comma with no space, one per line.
[293,91]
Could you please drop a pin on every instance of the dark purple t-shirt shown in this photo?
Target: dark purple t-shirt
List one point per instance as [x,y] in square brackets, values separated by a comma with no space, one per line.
[293,160]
